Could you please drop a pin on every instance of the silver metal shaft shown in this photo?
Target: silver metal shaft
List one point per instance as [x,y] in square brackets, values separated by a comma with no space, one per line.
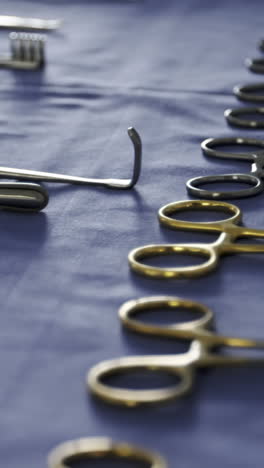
[23,174]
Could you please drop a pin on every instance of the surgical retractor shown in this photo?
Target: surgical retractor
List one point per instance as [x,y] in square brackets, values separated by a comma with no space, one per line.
[22,174]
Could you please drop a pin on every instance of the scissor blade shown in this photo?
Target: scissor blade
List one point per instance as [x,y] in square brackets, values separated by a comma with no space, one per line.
[229,361]
[244,248]
[213,359]
[232,341]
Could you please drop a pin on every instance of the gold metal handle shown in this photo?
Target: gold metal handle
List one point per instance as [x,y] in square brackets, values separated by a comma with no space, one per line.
[206,251]
[93,448]
[176,366]
[131,310]
[165,215]
[198,329]
[243,232]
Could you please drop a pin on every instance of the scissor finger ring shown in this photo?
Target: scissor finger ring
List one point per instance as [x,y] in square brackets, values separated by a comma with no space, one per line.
[248,92]
[93,448]
[255,65]
[193,186]
[232,117]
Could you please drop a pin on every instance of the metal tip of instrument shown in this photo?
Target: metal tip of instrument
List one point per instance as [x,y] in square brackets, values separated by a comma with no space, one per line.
[136,140]
[133,134]
[53,24]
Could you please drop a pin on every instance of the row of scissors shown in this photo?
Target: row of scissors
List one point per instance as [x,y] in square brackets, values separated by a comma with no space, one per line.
[227,229]
[243,117]
[214,147]
[109,380]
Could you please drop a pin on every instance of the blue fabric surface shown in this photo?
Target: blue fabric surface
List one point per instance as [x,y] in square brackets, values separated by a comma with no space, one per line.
[167,68]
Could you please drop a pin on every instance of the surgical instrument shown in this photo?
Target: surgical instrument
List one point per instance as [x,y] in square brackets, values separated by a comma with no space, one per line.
[29,24]
[261,45]
[27,52]
[94,448]
[22,196]
[22,174]
[227,229]
[181,367]
[232,117]
[256,65]
[249,92]
[254,179]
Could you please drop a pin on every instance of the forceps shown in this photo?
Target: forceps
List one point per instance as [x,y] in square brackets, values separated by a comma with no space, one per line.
[22,174]
[94,448]
[182,366]
[27,52]
[227,229]
[254,178]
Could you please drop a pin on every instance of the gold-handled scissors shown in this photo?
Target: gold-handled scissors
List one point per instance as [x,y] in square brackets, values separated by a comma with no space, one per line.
[94,448]
[225,244]
[181,366]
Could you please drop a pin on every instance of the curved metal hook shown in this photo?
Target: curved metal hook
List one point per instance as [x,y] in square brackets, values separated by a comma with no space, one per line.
[22,174]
